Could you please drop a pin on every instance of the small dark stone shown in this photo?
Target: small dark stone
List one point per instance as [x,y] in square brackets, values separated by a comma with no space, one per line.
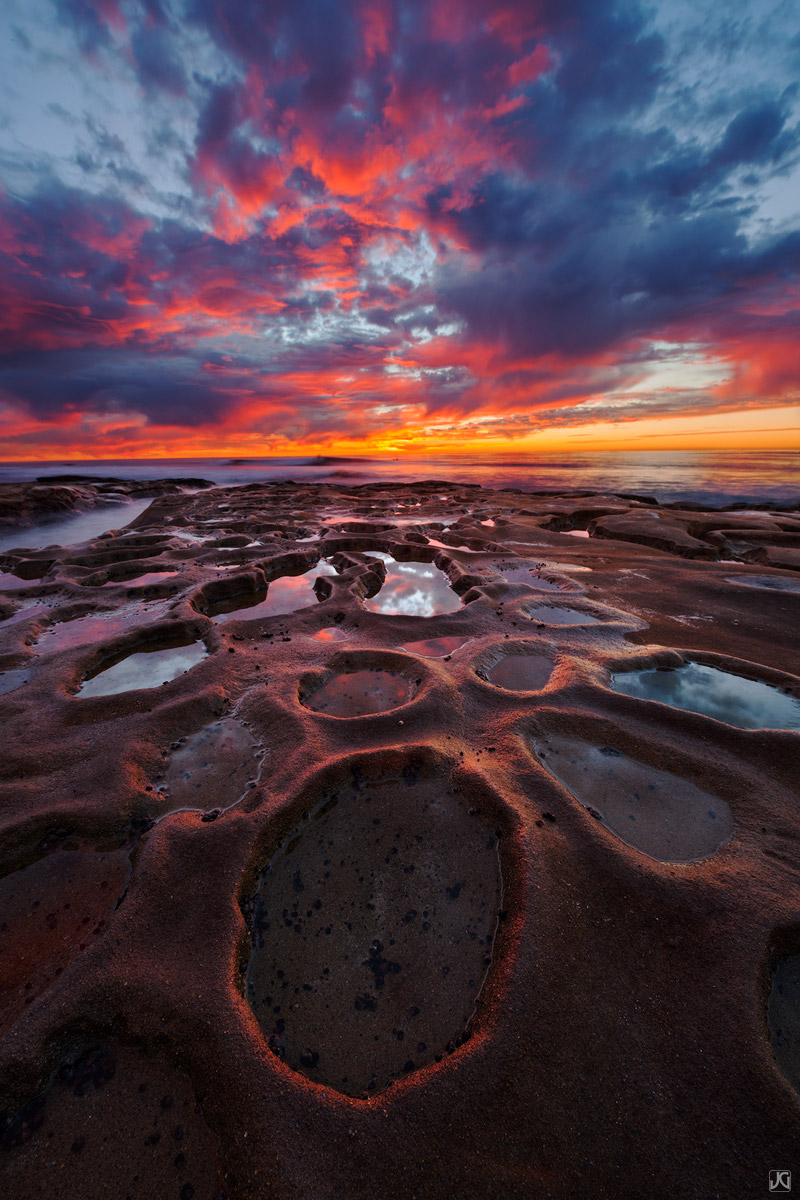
[309,1058]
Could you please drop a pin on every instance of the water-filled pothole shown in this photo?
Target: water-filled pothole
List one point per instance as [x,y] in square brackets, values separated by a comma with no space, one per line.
[659,813]
[358,693]
[129,671]
[435,647]
[412,589]
[52,909]
[213,769]
[286,594]
[524,571]
[518,671]
[373,928]
[783,1017]
[746,703]
[551,614]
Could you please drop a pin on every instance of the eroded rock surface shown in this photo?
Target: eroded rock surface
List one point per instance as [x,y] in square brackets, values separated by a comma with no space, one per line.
[603,1028]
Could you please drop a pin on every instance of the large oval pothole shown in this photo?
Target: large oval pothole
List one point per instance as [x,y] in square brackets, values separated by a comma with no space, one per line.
[373,926]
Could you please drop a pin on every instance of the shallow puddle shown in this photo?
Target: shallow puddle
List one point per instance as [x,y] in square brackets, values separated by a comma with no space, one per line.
[331,633]
[525,572]
[520,672]
[96,627]
[71,531]
[564,566]
[412,589]
[551,614]
[11,680]
[143,669]
[746,703]
[461,547]
[50,911]
[373,928]
[286,594]
[783,1017]
[112,1122]
[213,769]
[772,583]
[359,693]
[141,581]
[435,647]
[661,814]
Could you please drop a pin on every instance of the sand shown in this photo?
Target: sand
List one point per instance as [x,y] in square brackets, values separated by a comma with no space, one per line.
[349,902]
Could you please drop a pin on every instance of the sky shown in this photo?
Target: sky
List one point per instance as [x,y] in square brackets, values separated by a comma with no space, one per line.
[393,227]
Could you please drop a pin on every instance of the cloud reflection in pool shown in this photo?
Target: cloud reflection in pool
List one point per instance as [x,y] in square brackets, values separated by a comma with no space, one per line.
[412,589]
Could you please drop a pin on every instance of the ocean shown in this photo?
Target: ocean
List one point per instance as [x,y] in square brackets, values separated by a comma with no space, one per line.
[713,478]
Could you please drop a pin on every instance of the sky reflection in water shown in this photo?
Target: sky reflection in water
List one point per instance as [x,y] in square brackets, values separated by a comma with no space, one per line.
[745,703]
[412,589]
[146,669]
[284,595]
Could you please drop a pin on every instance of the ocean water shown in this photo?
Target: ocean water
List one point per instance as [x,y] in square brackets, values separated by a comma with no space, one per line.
[714,478]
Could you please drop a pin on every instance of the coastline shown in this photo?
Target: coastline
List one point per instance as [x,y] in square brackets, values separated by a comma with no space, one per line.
[625,998]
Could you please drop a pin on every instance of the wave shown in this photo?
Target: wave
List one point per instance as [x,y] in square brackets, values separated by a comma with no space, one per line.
[324,460]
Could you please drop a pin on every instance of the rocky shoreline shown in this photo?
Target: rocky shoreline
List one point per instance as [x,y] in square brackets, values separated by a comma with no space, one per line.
[340,855]
[24,505]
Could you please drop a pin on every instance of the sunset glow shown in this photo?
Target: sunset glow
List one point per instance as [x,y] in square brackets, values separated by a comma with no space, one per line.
[340,227]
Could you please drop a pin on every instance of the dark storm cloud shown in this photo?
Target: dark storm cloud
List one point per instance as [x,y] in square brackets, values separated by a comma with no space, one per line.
[353,177]
[159,66]
[167,392]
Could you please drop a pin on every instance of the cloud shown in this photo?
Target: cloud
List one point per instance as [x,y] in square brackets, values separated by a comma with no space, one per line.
[328,215]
